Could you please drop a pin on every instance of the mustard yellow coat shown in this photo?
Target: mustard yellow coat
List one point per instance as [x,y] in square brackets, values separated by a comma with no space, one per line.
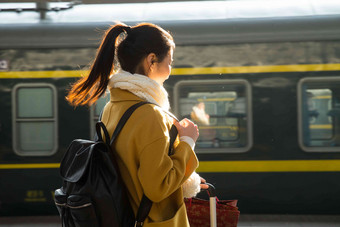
[142,155]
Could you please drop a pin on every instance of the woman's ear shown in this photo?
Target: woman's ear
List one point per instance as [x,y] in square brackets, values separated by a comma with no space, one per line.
[148,63]
[151,59]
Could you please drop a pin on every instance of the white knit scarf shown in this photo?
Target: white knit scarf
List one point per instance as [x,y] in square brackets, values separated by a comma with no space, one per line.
[149,90]
[141,86]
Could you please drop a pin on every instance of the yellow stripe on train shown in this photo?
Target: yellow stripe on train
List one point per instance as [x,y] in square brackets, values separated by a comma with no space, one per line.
[232,127]
[42,74]
[185,71]
[256,69]
[30,166]
[270,166]
[231,166]
[328,126]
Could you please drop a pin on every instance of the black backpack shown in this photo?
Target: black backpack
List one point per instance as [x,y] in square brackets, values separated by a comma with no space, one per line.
[93,193]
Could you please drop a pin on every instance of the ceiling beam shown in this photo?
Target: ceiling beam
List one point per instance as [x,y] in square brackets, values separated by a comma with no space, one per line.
[92,1]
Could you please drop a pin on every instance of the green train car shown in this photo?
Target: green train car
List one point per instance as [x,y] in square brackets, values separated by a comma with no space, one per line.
[262,83]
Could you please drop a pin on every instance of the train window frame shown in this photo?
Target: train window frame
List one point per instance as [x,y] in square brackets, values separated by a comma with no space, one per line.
[311,149]
[246,84]
[16,119]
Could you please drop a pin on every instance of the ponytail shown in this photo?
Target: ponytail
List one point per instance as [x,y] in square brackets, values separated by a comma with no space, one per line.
[88,89]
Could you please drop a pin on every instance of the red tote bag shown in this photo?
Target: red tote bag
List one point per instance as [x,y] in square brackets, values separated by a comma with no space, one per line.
[199,213]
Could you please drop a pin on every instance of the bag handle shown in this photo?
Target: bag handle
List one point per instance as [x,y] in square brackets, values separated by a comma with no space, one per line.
[100,126]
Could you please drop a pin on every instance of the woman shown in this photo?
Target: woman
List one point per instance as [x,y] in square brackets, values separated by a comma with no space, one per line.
[141,58]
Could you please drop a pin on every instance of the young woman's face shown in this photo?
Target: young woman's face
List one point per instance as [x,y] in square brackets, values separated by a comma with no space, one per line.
[161,70]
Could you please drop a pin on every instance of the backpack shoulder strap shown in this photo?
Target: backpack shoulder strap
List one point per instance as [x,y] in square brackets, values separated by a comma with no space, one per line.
[124,119]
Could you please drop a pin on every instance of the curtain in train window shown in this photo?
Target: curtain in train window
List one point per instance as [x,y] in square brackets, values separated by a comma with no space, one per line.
[35,124]
[320,114]
[221,109]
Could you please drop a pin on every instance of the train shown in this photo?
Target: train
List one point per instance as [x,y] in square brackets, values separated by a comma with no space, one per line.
[260,78]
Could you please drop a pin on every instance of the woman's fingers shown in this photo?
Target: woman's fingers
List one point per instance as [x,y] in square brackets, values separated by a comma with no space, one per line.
[204,186]
[203,181]
[187,128]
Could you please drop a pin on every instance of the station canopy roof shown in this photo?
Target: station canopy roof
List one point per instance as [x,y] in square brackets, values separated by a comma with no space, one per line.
[222,21]
[64,11]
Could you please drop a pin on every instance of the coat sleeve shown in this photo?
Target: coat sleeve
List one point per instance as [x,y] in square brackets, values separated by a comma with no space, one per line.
[160,174]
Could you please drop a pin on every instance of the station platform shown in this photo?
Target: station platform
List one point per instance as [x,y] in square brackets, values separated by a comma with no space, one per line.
[246,220]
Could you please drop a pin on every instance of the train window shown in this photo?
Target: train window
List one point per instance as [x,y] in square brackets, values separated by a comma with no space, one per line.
[319,114]
[222,111]
[34,119]
[96,110]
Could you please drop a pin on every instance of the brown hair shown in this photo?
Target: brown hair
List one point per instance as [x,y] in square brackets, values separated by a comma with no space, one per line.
[140,41]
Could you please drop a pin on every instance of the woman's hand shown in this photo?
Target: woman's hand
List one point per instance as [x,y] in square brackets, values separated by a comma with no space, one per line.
[187,128]
[203,185]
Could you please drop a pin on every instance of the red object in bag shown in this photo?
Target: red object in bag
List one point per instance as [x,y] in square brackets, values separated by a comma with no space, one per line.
[198,211]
